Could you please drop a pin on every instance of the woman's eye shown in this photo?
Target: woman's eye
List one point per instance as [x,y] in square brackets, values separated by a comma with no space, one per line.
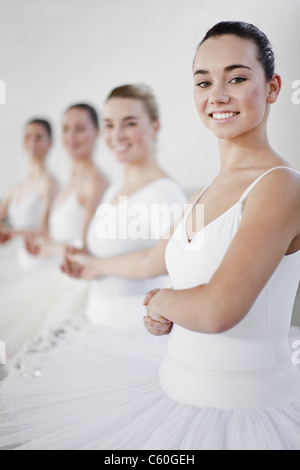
[131,124]
[238,80]
[203,84]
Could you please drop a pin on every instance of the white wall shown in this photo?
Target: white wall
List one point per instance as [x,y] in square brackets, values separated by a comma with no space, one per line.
[57,52]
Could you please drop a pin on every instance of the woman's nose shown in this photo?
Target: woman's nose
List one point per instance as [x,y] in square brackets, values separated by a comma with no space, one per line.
[119,134]
[219,94]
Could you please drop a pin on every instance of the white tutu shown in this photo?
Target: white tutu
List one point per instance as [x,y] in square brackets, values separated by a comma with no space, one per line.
[9,259]
[25,212]
[9,248]
[98,388]
[37,301]
[34,293]
[39,295]
[16,263]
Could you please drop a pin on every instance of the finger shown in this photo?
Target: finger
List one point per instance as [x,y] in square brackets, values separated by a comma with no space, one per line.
[34,249]
[64,268]
[69,257]
[157,325]
[149,326]
[78,270]
[71,250]
[149,296]
[147,299]
[157,332]
[164,320]
[72,268]
[68,268]
[161,331]
[155,322]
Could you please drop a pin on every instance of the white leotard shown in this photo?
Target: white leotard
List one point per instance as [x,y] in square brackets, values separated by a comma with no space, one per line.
[250,365]
[130,215]
[66,221]
[25,213]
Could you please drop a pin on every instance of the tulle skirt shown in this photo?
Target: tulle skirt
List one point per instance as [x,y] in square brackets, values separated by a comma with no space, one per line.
[35,300]
[16,262]
[89,387]
[9,262]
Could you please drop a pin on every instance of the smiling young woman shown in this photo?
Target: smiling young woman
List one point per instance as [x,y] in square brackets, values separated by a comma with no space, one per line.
[232,92]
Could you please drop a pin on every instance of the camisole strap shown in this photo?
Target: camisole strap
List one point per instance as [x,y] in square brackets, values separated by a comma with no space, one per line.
[199,196]
[249,189]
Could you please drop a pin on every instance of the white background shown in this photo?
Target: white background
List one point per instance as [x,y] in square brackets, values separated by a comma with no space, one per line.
[54,53]
[58,52]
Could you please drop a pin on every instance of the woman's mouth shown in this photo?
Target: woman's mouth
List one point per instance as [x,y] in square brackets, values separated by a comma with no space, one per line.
[224,116]
[121,149]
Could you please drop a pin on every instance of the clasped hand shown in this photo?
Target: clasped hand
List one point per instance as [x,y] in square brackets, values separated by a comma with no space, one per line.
[79,265]
[37,245]
[5,234]
[156,324]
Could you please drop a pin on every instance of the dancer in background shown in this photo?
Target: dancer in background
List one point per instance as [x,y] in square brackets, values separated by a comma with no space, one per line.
[26,208]
[80,197]
[135,212]
[45,295]
[135,216]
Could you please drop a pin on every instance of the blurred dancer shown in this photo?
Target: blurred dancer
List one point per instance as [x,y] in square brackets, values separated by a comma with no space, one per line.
[45,294]
[26,208]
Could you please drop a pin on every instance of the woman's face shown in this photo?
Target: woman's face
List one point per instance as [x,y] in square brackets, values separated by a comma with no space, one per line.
[128,130]
[231,92]
[37,141]
[78,133]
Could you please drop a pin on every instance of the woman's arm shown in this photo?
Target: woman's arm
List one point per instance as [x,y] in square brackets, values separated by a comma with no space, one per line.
[6,233]
[270,223]
[41,245]
[142,264]
[47,196]
[4,207]
[90,197]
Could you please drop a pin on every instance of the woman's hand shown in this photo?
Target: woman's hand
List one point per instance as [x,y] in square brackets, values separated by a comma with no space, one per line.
[156,324]
[80,266]
[38,245]
[71,250]
[6,234]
